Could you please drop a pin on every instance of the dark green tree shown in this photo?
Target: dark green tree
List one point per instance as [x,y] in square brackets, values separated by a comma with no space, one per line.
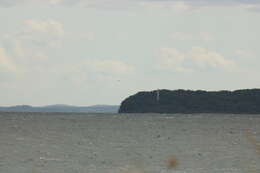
[187,101]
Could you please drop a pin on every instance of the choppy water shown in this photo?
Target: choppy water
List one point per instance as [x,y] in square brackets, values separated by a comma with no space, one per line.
[83,143]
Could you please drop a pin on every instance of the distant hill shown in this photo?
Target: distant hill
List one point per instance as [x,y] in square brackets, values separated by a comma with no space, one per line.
[62,108]
[187,101]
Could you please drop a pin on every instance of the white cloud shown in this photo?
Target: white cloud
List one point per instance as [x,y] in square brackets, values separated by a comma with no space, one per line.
[37,38]
[172,58]
[182,36]
[83,3]
[30,48]
[51,27]
[191,4]
[252,7]
[196,58]
[111,66]
[176,5]
[6,65]
[183,5]
[8,3]
[205,36]
[37,34]
[49,30]
[18,49]
[202,36]
[244,53]
[204,57]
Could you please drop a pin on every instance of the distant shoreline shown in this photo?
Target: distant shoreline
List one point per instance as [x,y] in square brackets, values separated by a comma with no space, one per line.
[62,109]
[245,101]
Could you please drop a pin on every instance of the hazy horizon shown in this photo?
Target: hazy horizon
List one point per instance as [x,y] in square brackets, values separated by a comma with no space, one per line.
[89,52]
[100,104]
[58,105]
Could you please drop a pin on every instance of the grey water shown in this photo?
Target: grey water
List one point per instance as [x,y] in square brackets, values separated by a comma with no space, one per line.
[132,143]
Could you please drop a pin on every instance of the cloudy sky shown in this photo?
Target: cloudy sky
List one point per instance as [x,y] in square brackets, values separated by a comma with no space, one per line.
[85,52]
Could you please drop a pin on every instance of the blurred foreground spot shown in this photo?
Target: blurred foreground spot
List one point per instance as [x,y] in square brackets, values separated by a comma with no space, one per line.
[252,139]
[172,162]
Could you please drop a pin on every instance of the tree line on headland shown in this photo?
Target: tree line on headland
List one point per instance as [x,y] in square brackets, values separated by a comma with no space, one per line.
[187,101]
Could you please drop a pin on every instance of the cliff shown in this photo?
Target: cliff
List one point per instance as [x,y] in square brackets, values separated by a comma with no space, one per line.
[187,101]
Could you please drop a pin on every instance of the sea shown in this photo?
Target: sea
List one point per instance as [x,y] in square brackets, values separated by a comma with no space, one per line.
[129,143]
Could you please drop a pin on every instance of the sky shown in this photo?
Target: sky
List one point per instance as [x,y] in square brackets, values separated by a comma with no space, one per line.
[87,52]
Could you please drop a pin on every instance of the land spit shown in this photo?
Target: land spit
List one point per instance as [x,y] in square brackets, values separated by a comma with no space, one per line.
[129,143]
